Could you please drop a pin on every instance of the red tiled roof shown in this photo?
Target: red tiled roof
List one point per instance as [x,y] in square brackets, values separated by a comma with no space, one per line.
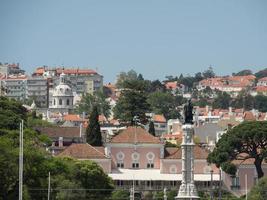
[159,118]
[55,131]
[176,153]
[72,117]
[75,71]
[261,88]
[82,151]
[248,116]
[171,85]
[135,135]
[263,79]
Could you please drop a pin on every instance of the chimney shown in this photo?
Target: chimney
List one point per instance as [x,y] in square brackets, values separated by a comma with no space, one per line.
[83,115]
[60,142]
[230,110]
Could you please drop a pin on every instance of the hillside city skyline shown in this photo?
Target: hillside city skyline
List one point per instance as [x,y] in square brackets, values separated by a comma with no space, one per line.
[155,39]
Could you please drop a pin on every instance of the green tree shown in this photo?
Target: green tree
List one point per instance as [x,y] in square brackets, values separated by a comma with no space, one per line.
[244,100]
[91,176]
[223,100]
[209,73]
[261,73]
[244,72]
[132,102]
[151,128]
[120,195]
[88,101]
[126,76]
[164,103]
[11,113]
[247,140]
[261,103]
[93,134]
[258,192]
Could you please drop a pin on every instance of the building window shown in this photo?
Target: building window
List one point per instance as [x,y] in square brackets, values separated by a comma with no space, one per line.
[235,182]
[120,165]
[54,102]
[135,165]
[60,102]
[119,183]
[68,102]
[150,165]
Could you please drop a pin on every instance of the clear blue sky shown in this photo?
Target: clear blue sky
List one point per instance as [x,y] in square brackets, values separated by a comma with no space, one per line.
[155,38]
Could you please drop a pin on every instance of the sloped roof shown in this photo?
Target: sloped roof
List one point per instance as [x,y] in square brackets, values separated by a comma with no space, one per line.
[55,131]
[135,135]
[159,118]
[82,151]
[176,153]
[72,117]
[248,116]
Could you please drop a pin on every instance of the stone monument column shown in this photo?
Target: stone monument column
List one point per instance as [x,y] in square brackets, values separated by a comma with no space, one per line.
[187,189]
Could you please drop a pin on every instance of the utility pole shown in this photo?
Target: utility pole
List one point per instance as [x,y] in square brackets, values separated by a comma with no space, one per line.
[21,160]
[48,192]
[211,184]
[220,184]
[246,182]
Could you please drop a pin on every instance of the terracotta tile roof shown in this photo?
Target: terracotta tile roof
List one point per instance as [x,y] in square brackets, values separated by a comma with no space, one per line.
[261,88]
[128,136]
[171,85]
[248,116]
[72,117]
[75,71]
[263,79]
[159,118]
[176,153]
[262,116]
[55,131]
[82,151]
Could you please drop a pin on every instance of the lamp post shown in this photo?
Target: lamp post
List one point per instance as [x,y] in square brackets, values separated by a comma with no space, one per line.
[211,184]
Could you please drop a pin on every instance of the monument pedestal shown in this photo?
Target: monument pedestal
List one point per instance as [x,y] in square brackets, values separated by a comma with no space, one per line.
[187,189]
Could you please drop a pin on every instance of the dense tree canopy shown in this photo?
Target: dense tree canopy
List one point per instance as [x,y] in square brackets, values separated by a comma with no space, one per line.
[88,101]
[258,192]
[93,134]
[65,173]
[247,140]
[223,100]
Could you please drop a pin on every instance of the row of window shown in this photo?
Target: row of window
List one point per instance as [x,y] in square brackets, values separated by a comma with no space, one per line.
[135,165]
[60,102]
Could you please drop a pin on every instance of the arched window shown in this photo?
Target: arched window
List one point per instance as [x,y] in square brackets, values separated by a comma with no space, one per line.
[54,102]
[60,102]
[68,102]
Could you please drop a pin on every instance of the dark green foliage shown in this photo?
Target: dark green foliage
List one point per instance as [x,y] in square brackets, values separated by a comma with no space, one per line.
[258,192]
[247,140]
[93,134]
[120,195]
[223,100]
[132,102]
[165,103]
[261,73]
[244,100]
[151,129]
[88,101]
[11,113]
[244,72]
[209,73]
[261,103]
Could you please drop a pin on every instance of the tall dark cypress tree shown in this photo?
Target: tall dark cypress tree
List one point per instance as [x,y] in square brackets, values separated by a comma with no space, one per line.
[93,134]
[151,129]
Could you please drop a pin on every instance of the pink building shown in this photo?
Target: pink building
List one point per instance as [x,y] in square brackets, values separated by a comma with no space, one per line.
[135,157]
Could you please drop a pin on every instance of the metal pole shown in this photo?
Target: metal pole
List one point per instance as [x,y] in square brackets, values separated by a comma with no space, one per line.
[211,184]
[220,184]
[21,161]
[48,192]
[246,182]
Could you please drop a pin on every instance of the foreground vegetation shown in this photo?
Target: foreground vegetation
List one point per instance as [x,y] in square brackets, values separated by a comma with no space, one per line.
[70,179]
